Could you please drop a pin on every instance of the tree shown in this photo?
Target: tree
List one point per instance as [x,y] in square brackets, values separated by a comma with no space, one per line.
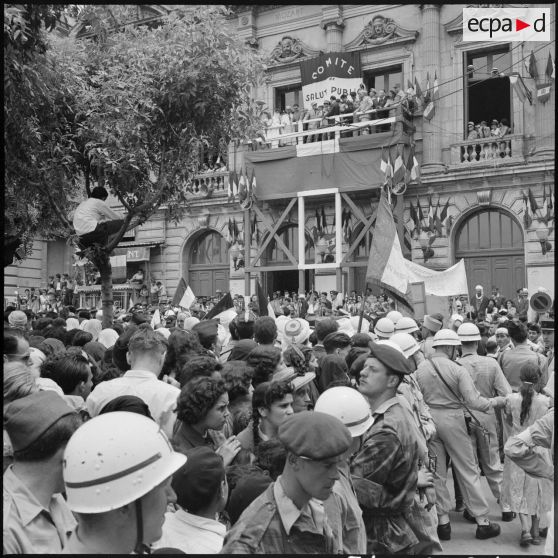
[149,99]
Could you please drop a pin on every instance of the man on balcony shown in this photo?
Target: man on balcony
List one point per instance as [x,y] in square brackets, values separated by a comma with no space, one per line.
[472,133]
[364,106]
[312,114]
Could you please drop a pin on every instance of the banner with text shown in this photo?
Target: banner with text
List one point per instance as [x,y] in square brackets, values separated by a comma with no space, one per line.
[329,74]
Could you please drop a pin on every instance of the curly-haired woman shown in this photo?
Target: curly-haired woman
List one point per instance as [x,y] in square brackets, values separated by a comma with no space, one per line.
[272,404]
[301,358]
[265,360]
[202,407]
[238,382]
[182,346]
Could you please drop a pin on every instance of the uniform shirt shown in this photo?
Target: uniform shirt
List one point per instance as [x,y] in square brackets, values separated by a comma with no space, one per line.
[486,374]
[90,213]
[272,524]
[191,533]
[437,395]
[426,347]
[159,396]
[29,528]
[513,360]
[385,473]
[352,526]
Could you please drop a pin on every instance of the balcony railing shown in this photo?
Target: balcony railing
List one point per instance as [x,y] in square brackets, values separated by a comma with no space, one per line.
[491,151]
[209,184]
[339,126]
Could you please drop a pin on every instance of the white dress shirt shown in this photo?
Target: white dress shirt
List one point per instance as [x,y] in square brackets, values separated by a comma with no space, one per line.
[159,396]
[90,213]
[191,533]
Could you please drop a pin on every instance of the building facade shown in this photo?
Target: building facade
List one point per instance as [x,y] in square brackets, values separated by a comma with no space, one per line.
[331,187]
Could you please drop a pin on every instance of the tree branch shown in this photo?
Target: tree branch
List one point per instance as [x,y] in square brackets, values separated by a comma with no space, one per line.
[63,219]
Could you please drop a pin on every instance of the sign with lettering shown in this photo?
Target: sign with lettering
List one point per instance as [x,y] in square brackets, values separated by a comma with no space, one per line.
[334,73]
[137,254]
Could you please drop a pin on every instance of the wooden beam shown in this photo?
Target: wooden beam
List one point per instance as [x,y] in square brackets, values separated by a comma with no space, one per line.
[355,208]
[273,268]
[247,244]
[365,229]
[273,234]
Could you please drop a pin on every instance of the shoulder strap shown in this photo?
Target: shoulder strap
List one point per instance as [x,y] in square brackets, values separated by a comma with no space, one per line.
[462,403]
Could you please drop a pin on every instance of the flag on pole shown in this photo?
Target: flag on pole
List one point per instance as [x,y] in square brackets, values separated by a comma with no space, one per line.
[435,93]
[179,293]
[418,90]
[383,163]
[533,66]
[543,92]
[527,220]
[549,71]
[427,93]
[398,169]
[156,319]
[411,166]
[131,303]
[224,304]
[419,213]
[532,201]
[389,170]
[262,299]
[386,265]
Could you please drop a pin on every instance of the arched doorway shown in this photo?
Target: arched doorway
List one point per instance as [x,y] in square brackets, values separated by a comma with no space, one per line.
[207,264]
[492,245]
[287,280]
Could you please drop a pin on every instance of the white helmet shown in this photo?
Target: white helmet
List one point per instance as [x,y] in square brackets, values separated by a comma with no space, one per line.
[445,337]
[384,328]
[115,459]
[349,406]
[394,316]
[406,325]
[389,342]
[406,342]
[468,332]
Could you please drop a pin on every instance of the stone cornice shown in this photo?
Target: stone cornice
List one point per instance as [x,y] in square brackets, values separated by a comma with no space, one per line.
[381,31]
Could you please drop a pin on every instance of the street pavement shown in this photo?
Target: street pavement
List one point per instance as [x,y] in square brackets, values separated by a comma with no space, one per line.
[463,541]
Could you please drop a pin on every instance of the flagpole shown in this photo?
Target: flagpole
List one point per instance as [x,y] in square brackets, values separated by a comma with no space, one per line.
[361,315]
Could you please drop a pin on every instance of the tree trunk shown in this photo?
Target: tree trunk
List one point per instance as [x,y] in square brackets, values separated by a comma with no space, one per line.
[105,269]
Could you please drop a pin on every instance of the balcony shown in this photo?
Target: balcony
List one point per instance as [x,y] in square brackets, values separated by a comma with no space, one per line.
[488,152]
[209,184]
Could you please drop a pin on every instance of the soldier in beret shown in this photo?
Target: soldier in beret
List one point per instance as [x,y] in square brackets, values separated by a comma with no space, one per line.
[289,517]
[385,467]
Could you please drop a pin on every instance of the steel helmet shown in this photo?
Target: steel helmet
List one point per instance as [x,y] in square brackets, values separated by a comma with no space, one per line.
[384,328]
[349,406]
[468,332]
[445,337]
[389,342]
[394,316]
[406,342]
[406,325]
[114,459]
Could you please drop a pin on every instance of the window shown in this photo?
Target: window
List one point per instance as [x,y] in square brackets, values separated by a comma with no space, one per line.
[209,249]
[487,92]
[384,78]
[288,96]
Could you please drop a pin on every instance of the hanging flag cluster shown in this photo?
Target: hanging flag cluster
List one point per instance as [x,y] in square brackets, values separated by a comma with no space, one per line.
[431,97]
[530,207]
[402,172]
[543,90]
[433,221]
[242,188]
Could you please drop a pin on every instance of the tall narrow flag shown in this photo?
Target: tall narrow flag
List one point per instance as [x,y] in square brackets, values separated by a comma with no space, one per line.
[156,319]
[435,88]
[224,304]
[427,93]
[389,170]
[181,290]
[386,265]
[533,66]
[418,90]
[262,299]
[549,71]
[398,169]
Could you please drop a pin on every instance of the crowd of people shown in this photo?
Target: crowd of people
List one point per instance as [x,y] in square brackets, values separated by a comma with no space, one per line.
[483,130]
[320,430]
[359,106]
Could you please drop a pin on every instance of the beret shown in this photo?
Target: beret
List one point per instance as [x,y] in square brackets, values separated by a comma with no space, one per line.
[390,357]
[314,435]
[206,327]
[28,418]
[242,349]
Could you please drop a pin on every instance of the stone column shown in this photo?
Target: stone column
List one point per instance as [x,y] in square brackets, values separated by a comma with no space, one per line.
[431,62]
[332,23]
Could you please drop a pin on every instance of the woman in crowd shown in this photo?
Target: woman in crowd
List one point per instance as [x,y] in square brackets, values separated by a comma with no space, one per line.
[183,345]
[265,361]
[202,409]
[272,403]
[238,383]
[530,497]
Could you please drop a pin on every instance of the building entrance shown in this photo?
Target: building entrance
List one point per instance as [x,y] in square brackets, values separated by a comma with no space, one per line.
[285,281]
[491,243]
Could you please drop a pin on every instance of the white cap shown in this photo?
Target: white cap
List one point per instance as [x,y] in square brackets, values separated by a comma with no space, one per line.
[468,332]
[384,328]
[406,325]
[394,316]
[445,337]
[406,342]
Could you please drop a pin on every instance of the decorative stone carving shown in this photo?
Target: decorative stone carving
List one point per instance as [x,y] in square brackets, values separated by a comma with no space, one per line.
[287,50]
[381,30]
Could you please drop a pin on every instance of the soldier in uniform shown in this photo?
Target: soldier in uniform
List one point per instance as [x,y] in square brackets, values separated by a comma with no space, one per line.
[444,385]
[289,517]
